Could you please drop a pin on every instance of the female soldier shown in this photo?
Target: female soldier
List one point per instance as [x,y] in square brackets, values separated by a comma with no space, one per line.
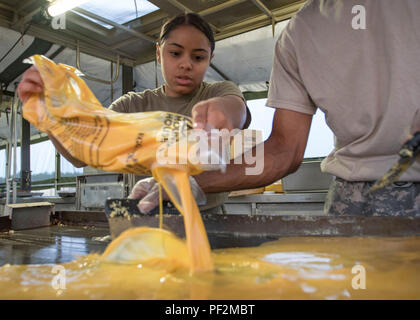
[184,51]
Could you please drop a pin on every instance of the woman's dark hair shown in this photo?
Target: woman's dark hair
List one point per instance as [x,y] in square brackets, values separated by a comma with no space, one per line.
[191,19]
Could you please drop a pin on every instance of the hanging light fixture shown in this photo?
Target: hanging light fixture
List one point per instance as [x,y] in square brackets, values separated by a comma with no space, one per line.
[60,6]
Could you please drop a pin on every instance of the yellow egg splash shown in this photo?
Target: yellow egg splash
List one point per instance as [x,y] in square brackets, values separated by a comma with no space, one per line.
[153,264]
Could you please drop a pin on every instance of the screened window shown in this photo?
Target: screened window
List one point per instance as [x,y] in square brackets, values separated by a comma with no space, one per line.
[121,11]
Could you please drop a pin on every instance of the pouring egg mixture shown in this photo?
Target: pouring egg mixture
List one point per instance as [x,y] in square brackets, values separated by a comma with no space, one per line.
[152,263]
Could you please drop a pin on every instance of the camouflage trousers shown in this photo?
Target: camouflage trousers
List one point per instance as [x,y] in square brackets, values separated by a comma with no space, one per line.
[351,198]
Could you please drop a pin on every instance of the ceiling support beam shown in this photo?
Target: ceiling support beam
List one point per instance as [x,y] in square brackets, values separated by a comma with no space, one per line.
[24,5]
[263,8]
[26,18]
[183,8]
[267,12]
[7,7]
[88,46]
[180,6]
[220,7]
[280,14]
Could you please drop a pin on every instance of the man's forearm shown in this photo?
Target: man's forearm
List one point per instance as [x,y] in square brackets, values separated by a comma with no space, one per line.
[276,162]
[282,154]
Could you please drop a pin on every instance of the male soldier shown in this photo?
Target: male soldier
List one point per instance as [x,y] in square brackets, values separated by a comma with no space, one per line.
[358,61]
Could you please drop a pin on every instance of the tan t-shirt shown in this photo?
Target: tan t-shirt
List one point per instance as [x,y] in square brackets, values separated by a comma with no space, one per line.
[156,99]
[366,81]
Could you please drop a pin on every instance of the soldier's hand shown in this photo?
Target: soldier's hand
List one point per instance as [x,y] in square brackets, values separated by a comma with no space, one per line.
[147,190]
[31,83]
[227,112]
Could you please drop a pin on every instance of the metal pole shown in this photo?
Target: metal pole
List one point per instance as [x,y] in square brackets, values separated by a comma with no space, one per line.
[25,156]
[112,86]
[9,159]
[57,172]
[15,107]
[127,79]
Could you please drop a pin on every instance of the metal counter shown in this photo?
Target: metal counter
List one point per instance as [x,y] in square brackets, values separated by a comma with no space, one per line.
[61,203]
[277,204]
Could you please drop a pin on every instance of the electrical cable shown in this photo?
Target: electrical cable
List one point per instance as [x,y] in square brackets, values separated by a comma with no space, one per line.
[7,53]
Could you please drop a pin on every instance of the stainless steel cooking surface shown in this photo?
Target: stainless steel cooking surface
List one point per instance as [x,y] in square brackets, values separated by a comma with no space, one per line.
[51,245]
[79,233]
